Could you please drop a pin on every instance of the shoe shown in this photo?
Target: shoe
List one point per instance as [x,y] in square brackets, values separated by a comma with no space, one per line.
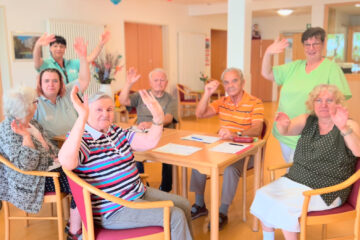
[67,228]
[199,211]
[223,220]
[76,236]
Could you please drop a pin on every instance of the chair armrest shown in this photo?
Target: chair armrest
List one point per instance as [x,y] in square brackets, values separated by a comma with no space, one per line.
[273,168]
[109,197]
[348,182]
[33,173]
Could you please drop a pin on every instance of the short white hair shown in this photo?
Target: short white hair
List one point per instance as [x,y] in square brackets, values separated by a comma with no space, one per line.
[18,102]
[233,69]
[157,70]
[99,95]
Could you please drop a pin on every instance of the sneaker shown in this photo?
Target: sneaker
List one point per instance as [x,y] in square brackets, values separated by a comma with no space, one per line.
[76,236]
[223,220]
[67,228]
[197,211]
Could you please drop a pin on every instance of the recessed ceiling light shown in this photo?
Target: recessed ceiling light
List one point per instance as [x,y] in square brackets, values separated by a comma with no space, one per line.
[357,4]
[285,12]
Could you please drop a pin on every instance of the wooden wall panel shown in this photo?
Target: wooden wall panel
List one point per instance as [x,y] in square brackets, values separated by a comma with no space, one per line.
[218,54]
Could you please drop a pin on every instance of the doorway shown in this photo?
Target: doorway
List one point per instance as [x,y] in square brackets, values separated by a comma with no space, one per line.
[143,50]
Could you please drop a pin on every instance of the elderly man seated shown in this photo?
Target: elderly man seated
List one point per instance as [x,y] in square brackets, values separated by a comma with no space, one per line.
[239,114]
[158,82]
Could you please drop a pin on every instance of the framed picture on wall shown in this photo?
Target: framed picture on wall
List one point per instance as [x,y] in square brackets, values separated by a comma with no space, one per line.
[23,45]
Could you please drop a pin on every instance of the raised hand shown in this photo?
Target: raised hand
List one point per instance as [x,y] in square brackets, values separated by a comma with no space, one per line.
[225,133]
[282,120]
[105,37]
[80,47]
[211,87]
[153,105]
[339,115]
[277,46]
[82,108]
[19,128]
[132,76]
[45,39]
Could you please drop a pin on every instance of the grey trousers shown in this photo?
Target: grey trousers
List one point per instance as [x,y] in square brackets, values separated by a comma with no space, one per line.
[232,175]
[180,216]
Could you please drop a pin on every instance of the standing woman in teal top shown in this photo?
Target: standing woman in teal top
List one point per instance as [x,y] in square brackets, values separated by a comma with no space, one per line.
[299,77]
[69,68]
[55,111]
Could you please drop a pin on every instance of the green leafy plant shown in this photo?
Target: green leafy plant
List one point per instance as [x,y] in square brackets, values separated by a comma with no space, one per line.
[106,68]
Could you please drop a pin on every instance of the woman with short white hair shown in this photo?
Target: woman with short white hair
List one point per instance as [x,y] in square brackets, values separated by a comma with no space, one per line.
[24,143]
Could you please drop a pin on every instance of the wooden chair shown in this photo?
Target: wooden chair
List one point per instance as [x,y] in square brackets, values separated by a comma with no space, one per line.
[264,135]
[349,210]
[53,197]
[186,99]
[82,190]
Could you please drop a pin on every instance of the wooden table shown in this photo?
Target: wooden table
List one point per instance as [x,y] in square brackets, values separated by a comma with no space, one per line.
[205,161]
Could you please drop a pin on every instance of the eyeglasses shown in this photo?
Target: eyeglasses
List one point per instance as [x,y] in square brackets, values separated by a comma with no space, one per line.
[36,101]
[327,101]
[314,45]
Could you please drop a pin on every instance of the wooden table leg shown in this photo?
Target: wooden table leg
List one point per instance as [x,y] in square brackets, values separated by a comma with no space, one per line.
[257,180]
[184,189]
[175,180]
[214,211]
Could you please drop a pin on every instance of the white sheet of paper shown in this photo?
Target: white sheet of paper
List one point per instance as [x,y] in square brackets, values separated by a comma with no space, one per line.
[177,149]
[228,147]
[201,138]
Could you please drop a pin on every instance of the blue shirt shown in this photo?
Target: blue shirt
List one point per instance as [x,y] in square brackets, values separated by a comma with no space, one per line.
[70,71]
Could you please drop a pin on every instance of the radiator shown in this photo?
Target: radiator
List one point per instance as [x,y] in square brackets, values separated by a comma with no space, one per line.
[91,34]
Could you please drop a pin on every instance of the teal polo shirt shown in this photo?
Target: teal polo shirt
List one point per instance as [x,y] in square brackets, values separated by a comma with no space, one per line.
[70,72]
[57,119]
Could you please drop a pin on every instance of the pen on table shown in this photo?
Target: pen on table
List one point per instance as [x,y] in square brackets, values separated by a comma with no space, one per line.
[196,138]
[236,144]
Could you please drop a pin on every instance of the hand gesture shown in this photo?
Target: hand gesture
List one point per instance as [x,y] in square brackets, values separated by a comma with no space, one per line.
[105,37]
[19,128]
[145,125]
[45,39]
[132,76]
[226,134]
[153,105]
[282,120]
[277,46]
[339,115]
[80,47]
[82,108]
[211,87]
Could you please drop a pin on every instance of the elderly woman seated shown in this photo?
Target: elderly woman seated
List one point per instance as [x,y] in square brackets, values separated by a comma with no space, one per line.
[325,155]
[102,154]
[24,143]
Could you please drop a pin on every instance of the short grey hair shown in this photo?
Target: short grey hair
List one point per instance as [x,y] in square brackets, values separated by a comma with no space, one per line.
[99,95]
[157,70]
[18,102]
[233,69]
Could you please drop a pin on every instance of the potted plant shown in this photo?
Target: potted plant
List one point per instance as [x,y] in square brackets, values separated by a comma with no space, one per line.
[203,77]
[105,69]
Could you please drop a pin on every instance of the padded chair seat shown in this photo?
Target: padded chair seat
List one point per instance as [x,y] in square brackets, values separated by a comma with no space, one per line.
[189,100]
[344,208]
[109,234]
[49,193]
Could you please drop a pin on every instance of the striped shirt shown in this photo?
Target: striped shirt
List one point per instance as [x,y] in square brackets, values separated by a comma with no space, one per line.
[239,117]
[106,161]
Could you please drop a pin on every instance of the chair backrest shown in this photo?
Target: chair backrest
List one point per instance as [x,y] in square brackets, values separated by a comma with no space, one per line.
[352,199]
[265,133]
[181,93]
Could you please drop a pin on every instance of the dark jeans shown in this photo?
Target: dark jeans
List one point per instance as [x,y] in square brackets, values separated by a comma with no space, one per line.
[166,181]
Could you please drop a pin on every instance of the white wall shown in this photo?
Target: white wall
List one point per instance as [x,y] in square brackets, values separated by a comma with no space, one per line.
[31,16]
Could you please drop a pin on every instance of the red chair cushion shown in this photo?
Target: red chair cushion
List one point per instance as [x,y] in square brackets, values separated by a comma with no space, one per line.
[105,234]
[189,100]
[182,95]
[343,208]
[49,193]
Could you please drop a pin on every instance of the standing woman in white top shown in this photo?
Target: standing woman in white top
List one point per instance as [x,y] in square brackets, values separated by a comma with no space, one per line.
[55,111]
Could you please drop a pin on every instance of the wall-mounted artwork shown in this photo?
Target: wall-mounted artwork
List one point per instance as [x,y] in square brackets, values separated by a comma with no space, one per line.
[356,46]
[336,47]
[23,45]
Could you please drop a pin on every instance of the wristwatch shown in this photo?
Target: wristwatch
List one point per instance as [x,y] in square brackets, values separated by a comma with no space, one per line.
[239,133]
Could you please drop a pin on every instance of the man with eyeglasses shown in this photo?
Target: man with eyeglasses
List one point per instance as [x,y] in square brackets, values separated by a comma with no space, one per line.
[299,77]
[158,83]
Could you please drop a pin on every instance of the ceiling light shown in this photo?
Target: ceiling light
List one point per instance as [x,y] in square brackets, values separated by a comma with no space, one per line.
[285,12]
[357,5]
